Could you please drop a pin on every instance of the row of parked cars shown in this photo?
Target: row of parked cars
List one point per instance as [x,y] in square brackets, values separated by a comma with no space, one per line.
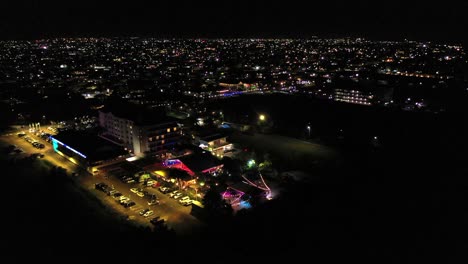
[45,136]
[176,194]
[125,178]
[32,141]
[125,201]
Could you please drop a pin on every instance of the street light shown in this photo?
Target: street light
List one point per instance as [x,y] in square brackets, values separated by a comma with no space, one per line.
[262,117]
[308,128]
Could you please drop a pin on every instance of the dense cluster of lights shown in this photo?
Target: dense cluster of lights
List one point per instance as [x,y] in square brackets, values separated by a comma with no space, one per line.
[352,96]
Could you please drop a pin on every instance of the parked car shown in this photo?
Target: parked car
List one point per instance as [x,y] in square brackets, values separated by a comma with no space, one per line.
[177,196]
[100,186]
[186,202]
[117,195]
[142,212]
[148,213]
[129,204]
[164,189]
[18,150]
[150,183]
[123,199]
[172,194]
[153,202]
[154,220]
[184,198]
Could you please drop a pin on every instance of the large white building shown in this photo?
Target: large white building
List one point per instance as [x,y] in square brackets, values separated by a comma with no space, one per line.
[353,96]
[139,131]
[378,95]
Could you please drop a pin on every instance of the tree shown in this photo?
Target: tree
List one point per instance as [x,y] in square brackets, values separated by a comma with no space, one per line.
[215,205]
[266,162]
[231,166]
[180,176]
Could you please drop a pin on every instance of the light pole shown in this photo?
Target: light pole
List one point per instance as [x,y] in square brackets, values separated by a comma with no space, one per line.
[308,129]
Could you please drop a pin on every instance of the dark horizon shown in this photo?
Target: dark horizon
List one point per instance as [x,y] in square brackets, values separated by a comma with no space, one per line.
[232,19]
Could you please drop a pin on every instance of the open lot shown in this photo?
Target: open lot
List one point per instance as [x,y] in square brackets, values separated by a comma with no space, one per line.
[287,148]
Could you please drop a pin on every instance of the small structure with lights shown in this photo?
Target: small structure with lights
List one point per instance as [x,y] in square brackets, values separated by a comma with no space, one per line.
[216,143]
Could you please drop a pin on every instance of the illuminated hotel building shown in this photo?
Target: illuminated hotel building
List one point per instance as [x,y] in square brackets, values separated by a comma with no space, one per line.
[353,96]
[139,131]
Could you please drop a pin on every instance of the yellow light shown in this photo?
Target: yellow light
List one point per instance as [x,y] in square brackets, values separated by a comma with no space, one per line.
[262,117]
[161,173]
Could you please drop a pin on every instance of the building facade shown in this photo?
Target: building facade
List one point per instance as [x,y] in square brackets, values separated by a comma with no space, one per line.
[378,95]
[353,96]
[153,137]
[217,144]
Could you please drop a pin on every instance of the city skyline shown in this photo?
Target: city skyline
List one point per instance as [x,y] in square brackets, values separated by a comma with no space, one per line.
[395,21]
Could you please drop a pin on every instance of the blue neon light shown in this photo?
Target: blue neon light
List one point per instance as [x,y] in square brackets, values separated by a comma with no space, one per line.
[245,204]
[232,93]
[55,146]
[172,162]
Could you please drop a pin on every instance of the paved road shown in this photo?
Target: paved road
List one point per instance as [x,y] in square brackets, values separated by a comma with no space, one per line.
[49,154]
[176,215]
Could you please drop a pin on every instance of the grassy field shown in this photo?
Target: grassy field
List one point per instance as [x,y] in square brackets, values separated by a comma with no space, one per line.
[292,152]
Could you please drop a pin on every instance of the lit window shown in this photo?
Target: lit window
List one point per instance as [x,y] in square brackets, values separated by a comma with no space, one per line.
[162,137]
[168,130]
[157,137]
[175,128]
[162,141]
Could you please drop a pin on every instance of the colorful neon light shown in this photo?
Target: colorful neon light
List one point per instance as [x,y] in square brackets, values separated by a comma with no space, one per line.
[265,188]
[55,147]
[175,163]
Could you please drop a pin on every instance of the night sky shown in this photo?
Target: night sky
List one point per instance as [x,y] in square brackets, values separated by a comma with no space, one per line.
[418,20]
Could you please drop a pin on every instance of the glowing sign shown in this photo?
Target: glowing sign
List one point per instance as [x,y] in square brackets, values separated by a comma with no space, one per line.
[55,143]
[172,162]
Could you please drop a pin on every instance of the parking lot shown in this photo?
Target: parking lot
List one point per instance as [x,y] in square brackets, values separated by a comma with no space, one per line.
[174,214]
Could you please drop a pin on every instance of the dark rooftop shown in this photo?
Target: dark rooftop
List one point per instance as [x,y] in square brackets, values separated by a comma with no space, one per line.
[199,162]
[139,114]
[92,146]
[213,137]
[208,134]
